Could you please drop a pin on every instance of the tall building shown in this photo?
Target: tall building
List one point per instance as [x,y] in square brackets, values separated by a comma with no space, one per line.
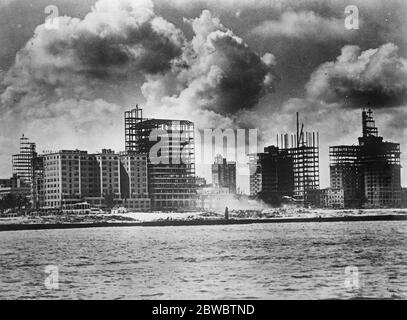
[22,162]
[102,179]
[368,173]
[169,146]
[37,190]
[290,169]
[133,181]
[346,174]
[272,174]
[63,177]
[224,174]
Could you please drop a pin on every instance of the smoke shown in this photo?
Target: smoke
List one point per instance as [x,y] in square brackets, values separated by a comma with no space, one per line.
[356,78]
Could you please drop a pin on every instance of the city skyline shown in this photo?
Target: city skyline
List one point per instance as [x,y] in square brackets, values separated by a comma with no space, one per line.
[290,68]
[245,186]
[203,149]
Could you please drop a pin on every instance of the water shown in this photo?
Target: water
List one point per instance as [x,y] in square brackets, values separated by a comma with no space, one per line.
[270,261]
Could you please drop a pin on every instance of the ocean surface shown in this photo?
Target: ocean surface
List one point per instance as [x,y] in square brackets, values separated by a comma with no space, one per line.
[268,261]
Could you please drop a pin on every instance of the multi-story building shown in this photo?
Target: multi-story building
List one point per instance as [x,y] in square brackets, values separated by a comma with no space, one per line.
[169,146]
[335,198]
[62,182]
[200,182]
[37,190]
[369,173]
[346,174]
[22,162]
[72,176]
[288,170]
[224,174]
[133,181]
[15,185]
[255,174]
[272,174]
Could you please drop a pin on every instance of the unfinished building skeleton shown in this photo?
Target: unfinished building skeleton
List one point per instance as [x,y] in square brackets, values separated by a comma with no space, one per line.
[171,171]
[368,173]
[288,170]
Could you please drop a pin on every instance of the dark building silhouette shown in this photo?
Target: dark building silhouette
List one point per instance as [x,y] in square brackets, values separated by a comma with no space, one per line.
[368,173]
[290,169]
[272,175]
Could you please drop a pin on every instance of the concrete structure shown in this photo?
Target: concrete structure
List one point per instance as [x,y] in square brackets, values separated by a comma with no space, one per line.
[346,174]
[169,146]
[335,198]
[288,170]
[369,173]
[271,174]
[102,179]
[22,161]
[15,185]
[133,182]
[200,182]
[303,148]
[224,174]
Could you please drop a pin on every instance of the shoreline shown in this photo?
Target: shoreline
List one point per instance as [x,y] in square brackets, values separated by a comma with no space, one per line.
[199,222]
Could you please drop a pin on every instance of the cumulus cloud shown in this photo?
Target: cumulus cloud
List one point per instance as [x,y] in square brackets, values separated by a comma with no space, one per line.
[356,78]
[121,44]
[303,25]
[220,76]
[69,86]
[87,58]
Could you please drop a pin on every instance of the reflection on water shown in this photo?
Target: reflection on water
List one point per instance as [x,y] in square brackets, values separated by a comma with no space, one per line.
[275,261]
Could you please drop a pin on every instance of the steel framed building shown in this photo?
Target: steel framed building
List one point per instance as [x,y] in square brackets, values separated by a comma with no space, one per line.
[303,148]
[369,173]
[170,150]
[22,162]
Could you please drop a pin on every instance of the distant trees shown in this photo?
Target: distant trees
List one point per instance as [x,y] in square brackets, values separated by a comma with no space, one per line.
[14,202]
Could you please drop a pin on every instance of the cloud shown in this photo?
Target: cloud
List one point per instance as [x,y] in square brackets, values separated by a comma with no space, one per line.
[69,86]
[302,25]
[220,76]
[116,43]
[356,78]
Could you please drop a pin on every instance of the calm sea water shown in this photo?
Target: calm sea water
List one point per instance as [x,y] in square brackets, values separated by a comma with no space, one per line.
[274,261]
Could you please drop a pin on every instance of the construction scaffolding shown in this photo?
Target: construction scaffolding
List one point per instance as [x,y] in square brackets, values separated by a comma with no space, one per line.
[368,173]
[303,147]
[171,167]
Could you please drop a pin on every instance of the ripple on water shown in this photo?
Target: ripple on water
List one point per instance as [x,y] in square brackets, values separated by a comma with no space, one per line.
[281,261]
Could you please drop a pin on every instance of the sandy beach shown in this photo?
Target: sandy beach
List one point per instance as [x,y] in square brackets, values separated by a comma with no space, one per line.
[278,215]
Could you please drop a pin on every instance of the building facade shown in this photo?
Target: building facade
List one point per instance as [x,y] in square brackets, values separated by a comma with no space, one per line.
[72,176]
[22,162]
[169,146]
[224,174]
[288,171]
[369,173]
[271,174]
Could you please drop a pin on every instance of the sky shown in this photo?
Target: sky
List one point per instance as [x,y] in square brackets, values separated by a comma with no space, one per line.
[240,64]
